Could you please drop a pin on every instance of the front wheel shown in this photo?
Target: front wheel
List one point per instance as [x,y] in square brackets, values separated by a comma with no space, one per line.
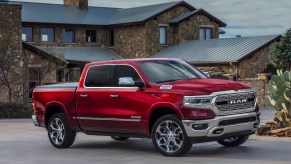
[169,136]
[233,141]
[59,132]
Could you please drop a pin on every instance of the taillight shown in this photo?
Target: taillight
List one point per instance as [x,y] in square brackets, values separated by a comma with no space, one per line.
[201,114]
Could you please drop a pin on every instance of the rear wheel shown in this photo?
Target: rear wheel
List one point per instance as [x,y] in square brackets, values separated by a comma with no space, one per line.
[59,132]
[118,138]
[169,136]
[233,141]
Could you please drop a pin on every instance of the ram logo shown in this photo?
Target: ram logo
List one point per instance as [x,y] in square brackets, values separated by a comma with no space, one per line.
[238,101]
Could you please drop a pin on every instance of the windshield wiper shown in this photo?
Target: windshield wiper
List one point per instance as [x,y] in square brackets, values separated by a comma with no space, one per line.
[170,80]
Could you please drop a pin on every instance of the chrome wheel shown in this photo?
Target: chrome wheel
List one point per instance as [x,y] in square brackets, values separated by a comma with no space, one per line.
[57,131]
[169,136]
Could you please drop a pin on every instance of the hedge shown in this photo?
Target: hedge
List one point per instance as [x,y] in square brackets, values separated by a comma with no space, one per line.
[15,110]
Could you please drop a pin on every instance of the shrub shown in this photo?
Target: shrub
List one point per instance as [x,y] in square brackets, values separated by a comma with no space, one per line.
[15,110]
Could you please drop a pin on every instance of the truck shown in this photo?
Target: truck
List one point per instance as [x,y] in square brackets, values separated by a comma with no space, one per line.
[167,100]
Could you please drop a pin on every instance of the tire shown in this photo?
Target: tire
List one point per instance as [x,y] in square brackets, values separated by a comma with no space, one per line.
[233,141]
[118,138]
[59,132]
[169,136]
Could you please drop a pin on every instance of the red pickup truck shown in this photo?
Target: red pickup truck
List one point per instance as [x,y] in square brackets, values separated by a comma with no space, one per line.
[166,100]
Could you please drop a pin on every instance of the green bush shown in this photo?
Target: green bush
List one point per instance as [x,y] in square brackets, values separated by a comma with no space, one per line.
[15,110]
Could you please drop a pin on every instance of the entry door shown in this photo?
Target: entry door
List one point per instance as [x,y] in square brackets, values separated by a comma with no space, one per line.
[93,98]
[126,102]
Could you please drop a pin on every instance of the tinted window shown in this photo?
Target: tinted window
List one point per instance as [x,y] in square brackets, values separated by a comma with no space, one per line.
[47,35]
[99,76]
[125,71]
[68,35]
[90,36]
[27,34]
[169,71]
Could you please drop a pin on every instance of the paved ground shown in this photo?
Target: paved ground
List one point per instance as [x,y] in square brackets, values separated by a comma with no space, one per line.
[22,142]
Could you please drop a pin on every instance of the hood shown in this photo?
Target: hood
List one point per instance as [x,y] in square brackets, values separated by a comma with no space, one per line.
[204,86]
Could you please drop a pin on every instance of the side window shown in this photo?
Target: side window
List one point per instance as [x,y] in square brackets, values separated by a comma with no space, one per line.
[125,71]
[99,76]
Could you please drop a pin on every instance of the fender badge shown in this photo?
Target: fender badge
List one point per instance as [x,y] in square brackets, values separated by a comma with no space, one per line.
[166,87]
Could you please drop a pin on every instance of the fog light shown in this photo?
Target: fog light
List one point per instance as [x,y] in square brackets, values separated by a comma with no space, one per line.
[218,131]
[200,126]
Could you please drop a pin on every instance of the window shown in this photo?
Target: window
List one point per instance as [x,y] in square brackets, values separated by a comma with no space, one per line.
[205,33]
[68,35]
[125,71]
[34,79]
[27,34]
[99,76]
[47,35]
[111,38]
[163,35]
[90,36]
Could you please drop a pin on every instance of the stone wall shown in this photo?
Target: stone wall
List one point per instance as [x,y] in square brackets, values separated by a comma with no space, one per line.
[256,63]
[130,41]
[82,4]
[80,35]
[10,27]
[261,88]
[189,29]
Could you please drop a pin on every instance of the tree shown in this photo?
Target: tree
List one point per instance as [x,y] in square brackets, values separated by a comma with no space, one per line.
[11,62]
[281,52]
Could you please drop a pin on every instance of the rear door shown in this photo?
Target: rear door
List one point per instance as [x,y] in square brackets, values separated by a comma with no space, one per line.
[93,98]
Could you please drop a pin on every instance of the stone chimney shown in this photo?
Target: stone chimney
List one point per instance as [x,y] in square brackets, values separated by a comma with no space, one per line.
[81,4]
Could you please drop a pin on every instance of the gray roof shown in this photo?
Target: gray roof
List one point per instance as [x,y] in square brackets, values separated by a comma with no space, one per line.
[216,50]
[191,13]
[81,54]
[66,14]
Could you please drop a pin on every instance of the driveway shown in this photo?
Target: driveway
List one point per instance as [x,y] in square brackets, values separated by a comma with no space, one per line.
[22,142]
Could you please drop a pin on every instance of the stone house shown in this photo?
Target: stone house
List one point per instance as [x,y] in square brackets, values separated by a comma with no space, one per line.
[74,34]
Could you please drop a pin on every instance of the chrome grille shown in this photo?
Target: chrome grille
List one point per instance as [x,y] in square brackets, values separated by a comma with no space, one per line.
[236,101]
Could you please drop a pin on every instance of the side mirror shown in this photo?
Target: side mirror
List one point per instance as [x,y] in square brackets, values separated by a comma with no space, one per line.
[206,74]
[128,81]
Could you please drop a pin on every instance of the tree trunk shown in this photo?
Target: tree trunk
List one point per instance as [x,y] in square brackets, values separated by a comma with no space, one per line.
[9,93]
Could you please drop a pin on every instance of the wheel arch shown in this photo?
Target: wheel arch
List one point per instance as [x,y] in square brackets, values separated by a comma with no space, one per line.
[53,108]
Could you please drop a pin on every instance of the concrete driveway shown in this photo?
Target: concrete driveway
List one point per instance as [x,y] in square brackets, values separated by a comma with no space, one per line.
[22,142]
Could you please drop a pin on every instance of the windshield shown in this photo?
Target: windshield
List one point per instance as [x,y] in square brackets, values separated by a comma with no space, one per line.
[169,71]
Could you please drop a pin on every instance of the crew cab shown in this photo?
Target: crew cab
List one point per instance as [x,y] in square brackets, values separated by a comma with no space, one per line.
[166,100]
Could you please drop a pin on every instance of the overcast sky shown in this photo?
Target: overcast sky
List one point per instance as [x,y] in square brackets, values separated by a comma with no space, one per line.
[243,17]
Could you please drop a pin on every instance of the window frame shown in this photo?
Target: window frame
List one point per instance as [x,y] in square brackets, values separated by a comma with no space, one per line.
[53,35]
[166,35]
[74,35]
[27,27]
[90,35]
[205,32]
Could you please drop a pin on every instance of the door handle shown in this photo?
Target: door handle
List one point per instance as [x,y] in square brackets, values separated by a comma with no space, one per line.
[84,95]
[114,96]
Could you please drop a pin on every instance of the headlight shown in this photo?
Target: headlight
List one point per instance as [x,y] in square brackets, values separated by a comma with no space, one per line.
[197,101]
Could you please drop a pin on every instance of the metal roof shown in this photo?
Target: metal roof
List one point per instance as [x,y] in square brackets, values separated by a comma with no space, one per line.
[216,50]
[81,54]
[189,14]
[66,14]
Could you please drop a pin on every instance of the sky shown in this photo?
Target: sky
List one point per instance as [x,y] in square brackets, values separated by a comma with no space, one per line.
[243,17]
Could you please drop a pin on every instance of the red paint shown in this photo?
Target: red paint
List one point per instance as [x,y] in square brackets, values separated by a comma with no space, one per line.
[131,102]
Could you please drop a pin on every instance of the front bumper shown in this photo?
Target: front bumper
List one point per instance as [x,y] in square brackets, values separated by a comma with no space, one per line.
[223,125]
[35,120]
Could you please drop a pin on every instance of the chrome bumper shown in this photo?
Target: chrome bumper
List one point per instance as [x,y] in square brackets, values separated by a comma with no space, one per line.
[35,120]
[215,130]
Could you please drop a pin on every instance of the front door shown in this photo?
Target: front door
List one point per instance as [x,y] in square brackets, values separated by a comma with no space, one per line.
[126,102]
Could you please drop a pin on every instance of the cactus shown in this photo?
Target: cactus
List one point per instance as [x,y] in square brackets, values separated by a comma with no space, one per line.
[279,88]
